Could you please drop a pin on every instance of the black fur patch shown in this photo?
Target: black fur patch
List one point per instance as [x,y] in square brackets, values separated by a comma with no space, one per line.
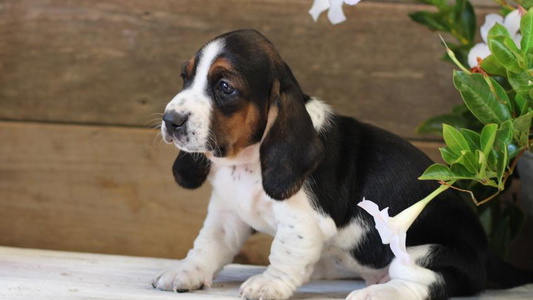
[291,150]
[365,161]
[190,170]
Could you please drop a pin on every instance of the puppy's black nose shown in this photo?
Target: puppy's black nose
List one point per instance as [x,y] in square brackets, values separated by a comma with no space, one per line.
[175,121]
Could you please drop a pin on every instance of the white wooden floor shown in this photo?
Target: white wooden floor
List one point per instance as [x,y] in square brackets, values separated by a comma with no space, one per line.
[45,275]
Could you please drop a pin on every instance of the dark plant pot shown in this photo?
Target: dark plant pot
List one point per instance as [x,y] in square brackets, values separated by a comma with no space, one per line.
[525,169]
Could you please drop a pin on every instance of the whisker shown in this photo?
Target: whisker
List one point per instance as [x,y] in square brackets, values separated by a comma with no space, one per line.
[211,142]
[197,157]
[152,122]
[158,136]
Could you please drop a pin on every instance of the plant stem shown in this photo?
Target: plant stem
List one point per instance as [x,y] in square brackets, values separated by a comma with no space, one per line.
[443,186]
[508,174]
[462,190]
[452,56]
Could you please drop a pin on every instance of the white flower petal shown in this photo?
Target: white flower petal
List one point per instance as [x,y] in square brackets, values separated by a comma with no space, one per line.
[352,2]
[370,207]
[384,213]
[517,39]
[480,50]
[335,13]
[373,209]
[512,22]
[399,250]
[490,21]
[319,6]
[384,231]
[381,218]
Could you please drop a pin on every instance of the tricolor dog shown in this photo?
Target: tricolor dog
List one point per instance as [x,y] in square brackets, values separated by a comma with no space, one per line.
[283,163]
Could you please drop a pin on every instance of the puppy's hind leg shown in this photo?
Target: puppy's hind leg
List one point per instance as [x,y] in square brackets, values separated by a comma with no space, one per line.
[438,273]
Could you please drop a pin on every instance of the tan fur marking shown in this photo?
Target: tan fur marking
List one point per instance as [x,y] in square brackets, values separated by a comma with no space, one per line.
[187,67]
[221,65]
[271,51]
[235,132]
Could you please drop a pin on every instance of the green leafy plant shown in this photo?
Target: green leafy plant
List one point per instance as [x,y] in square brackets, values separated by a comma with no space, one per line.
[458,19]
[487,134]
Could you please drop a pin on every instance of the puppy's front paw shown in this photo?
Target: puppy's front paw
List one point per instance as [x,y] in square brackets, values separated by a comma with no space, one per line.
[266,287]
[183,278]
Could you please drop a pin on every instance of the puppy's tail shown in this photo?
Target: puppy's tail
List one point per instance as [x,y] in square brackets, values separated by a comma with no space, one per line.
[501,275]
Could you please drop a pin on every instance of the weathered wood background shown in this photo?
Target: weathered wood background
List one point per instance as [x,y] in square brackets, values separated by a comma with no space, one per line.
[83,82]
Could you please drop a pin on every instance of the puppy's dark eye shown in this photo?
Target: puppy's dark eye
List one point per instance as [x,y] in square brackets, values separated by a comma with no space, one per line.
[225,88]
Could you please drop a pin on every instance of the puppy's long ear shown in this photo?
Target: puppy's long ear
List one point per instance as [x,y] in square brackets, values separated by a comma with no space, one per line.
[292,149]
[190,170]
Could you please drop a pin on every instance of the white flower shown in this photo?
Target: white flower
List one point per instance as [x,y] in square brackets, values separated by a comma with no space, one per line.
[511,22]
[335,13]
[393,230]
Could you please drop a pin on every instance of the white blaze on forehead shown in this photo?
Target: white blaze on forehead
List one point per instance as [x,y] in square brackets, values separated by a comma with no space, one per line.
[207,57]
[196,103]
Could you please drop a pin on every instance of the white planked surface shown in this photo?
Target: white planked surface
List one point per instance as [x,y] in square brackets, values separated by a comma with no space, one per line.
[44,274]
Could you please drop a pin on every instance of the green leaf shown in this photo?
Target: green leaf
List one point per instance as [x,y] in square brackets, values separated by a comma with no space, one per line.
[434,21]
[482,161]
[504,135]
[498,30]
[520,82]
[491,65]
[479,98]
[492,161]
[502,46]
[507,54]
[442,172]
[503,163]
[522,103]
[437,172]
[448,156]
[472,138]
[469,161]
[466,19]
[461,172]
[526,29]
[454,139]
[522,129]
[499,92]
[488,135]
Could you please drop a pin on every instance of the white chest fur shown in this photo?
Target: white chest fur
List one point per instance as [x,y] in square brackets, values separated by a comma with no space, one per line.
[238,185]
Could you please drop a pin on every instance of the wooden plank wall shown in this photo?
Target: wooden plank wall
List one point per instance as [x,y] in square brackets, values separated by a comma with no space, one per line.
[82,82]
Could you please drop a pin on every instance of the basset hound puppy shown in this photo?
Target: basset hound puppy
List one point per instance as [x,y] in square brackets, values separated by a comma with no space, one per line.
[283,163]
